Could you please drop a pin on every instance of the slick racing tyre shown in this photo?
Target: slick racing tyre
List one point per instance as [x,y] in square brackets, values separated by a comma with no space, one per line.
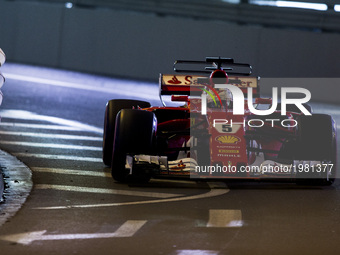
[135,134]
[111,110]
[316,142]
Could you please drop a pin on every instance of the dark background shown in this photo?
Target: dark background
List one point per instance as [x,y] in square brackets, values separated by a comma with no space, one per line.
[140,39]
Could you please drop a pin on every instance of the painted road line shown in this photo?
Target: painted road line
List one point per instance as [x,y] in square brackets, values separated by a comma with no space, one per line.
[196,252]
[128,229]
[39,126]
[57,157]
[53,145]
[122,92]
[70,171]
[52,136]
[216,191]
[225,219]
[106,191]
[26,115]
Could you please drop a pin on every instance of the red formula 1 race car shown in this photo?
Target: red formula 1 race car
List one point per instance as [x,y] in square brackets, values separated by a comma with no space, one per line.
[222,129]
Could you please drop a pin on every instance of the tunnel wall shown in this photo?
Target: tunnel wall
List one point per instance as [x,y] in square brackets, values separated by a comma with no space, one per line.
[141,45]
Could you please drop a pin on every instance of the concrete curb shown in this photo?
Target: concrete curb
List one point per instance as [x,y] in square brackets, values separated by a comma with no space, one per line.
[19,182]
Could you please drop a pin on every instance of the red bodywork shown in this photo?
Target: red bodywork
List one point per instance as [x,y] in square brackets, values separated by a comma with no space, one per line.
[227,145]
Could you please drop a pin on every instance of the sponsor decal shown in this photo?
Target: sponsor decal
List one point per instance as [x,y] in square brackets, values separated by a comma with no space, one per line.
[229,151]
[180,166]
[228,139]
[229,155]
[174,80]
[179,80]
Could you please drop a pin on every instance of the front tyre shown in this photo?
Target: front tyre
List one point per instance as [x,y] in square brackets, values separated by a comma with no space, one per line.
[111,111]
[135,134]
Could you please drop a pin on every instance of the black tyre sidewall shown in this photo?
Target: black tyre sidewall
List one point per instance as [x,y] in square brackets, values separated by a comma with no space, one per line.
[111,111]
[134,134]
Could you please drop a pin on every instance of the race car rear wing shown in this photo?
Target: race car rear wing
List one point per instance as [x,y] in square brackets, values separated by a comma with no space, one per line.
[193,84]
[212,63]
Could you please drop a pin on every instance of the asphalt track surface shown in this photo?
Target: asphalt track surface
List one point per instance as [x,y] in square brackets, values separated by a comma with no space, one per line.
[61,199]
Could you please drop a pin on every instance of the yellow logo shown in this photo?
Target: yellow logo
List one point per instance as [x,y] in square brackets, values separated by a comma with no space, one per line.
[228,139]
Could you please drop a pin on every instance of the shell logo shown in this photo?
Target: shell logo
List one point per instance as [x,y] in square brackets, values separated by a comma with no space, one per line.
[228,139]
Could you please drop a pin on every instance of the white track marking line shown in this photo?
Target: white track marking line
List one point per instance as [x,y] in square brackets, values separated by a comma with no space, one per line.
[196,252]
[53,145]
[106,191]
[216,191]
[139,92]
[58,157]
[128,229]
[26,115]
[225,218]
[53,136]
[70,171]
[39,126]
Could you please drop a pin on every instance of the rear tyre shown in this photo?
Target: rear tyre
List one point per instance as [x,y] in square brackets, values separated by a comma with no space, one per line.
[111,111]
[316,142]
[135,134]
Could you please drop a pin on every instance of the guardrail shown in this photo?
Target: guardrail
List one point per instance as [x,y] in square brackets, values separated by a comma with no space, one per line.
[242,13]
